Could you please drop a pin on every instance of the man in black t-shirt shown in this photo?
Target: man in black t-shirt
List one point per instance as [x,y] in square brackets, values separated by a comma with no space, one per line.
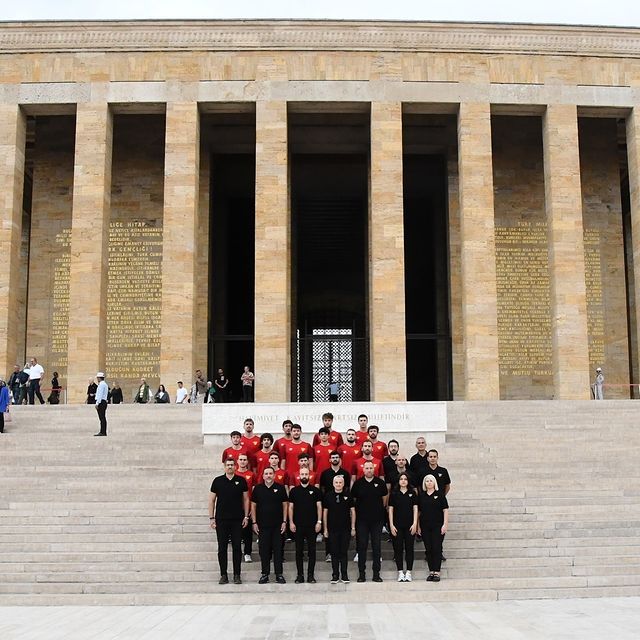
[339,523]
[269,517]
[389,461]
[228,515]
[369,494]
[305,521]
[419,460]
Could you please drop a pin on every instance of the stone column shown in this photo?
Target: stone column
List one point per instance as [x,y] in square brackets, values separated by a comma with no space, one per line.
[478,253]
[12,149]
[386,256]
[272,256]
[179,255]
[89,247]
[633,159]
[563,203]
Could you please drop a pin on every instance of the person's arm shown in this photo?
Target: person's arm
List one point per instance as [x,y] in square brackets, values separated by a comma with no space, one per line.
[325,526]
[414,526]
[447,488]
[212,509]
[283,526]
[319,521]
[253,517]
[292,526]
[445,526]
[246,505]
[353,522]
[394,531]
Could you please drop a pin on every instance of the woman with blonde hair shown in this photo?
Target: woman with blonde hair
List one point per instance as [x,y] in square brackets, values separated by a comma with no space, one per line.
[434,520]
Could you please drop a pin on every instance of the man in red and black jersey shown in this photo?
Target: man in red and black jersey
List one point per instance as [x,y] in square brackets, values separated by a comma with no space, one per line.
[261,457]
[350,451]
[245,472]
[294,448]
[334,437]
[322,451]
[281,442]
[367,456]
[236,448]
[250,440]
[293,479]
[379,449]
[363,424]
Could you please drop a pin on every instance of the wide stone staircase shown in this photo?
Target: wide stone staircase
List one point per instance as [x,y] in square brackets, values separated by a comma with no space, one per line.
[545,503]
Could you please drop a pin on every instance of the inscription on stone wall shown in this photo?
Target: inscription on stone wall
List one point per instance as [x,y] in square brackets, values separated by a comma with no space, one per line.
[524,316]
[134,300]
[595,301]
[60,301]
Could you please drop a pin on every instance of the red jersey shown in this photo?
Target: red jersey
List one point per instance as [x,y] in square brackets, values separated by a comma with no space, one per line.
[230,452]
[335,439]
[252,444]
[294,478]
[361,436]
[249,476]
[349,454]
[379,450]
[321,457]
[279,446]
[261,462]
[358,467]
[291,453]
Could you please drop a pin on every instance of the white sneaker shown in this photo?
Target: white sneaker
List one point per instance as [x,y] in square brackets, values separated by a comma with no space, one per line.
[319,538]
[355,558]
[327,558]
[400,576]
[247,558]
[407,576]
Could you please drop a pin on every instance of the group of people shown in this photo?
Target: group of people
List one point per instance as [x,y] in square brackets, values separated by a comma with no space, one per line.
[220,389]
[24,384]
[333,489]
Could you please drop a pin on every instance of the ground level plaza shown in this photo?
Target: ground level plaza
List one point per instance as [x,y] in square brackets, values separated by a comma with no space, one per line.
[418,211]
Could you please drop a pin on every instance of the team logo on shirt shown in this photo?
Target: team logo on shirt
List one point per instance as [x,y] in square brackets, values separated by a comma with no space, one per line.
[237,483]
[435,497]
[375,484]
[310,493]
[275,491]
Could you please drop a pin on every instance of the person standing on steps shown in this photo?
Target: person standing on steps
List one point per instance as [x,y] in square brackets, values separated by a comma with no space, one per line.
[434,520]
[442,478]
[339,524]
[35,377]
[403,524]
[102,395]
[4,403]
[229,515]
[247,378]
[597,388]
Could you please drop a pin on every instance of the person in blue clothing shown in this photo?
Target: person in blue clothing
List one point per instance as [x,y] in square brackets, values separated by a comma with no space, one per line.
[4,402]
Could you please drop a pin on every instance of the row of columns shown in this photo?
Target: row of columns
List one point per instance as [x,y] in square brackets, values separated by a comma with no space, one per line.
[89,251]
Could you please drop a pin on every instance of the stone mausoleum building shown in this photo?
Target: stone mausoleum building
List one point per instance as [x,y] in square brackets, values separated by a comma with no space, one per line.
[416,210]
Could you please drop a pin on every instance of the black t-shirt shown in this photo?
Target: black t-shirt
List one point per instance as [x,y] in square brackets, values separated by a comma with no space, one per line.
[269,502]
[432,508]
[338,506]
[393,476]
[441,475]
[229,503]
[389,466]
[368,495]
[326,479]
[305,505]
[403,504]
[418,464]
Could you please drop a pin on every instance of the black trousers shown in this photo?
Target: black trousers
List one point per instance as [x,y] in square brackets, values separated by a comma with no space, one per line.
[102,416]
[403,546]
[229,529]
[16,393]
[247,540]
[308,534]
[366,530]
[432,539]
[270,544]
[339,546]
[34,390]
[247,393]
[1,421]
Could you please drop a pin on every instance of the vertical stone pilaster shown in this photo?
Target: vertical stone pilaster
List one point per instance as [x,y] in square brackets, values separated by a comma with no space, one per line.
[478,253]
[89,246]
[633,160]
[386,256]
[12,150]
[272,255]
[563,203]
[179,252]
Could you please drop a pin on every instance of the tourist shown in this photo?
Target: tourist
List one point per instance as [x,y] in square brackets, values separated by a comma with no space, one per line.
[247,379]
[250,478]
[222,386]
[143,394]
[54,396]
[35,377]
[420,460]
[379,448]
[115,394]
[363,424]
[334,391]
[305,522]
[209,394]
[350,451]
[4,403]
[14,384]
[261,458]
[92,387]
[597,388]
[228,515]
[369,494]
[403,525]
[236,449]
[269,517]
[24,384]
[294,448]
[182,395]
[434,519]
[199,386]
[339,524]
[102,393]
[161,396]
[334,436]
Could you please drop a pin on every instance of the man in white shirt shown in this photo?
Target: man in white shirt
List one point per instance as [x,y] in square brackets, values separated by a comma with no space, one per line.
[102,394]
[182,395]
[35,375]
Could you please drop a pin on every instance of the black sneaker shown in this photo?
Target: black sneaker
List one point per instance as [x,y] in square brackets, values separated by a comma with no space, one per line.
[223,580]
[237,579]
[377,578]
[345,579]
[362,578]
[299,579]
[280,579]
[311,579]
[264,578]
[443,558]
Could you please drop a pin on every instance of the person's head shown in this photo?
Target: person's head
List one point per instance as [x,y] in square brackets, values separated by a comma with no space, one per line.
[432,456]
[403,481]
[99,375]
[351,436]
[116,385]
[598,370]
[367,448]
[220,372]
[421,444]
[363,421]
[296,432]
[230,466]
[246,369]
[323,434]
[303,460]
[268,475]
[368,470]
[338,484]
[248,425]
[180,384]
[209,384]
[429,483]
[33,361]
[372,431]
[393,446]
[401,461]
[286,427]
[162,389]
[16,367]
[304,475]
[327,420]
[334,459]
[143,381]
[274,460]
[198,373]
[266,440]
[243,462]
[55,374]
[236,436]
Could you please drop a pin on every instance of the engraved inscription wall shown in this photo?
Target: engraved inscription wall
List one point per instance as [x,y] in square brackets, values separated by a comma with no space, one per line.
[60,300]
[595,300]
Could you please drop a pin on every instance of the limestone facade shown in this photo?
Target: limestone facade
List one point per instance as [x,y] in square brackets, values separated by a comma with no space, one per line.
[533,178]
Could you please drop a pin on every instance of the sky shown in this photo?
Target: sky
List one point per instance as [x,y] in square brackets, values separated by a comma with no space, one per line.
[592,12]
